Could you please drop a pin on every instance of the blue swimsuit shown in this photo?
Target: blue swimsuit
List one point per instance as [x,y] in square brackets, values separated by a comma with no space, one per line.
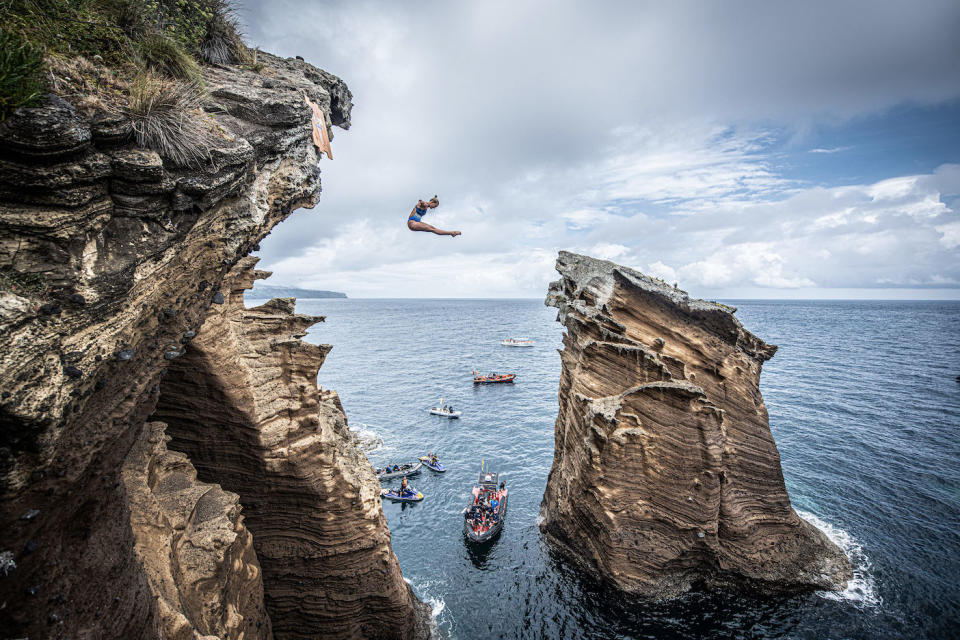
[415,216]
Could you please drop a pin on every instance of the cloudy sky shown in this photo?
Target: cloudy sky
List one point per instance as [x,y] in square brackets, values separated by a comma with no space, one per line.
[742,148]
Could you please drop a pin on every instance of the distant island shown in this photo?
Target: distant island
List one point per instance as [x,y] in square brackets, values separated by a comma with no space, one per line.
[268,291]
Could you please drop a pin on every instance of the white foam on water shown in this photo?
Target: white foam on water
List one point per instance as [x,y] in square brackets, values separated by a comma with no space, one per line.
[861,590]
[367,438]
[437,605]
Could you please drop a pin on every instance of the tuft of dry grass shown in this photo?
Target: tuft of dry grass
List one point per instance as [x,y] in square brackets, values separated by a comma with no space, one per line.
[88,85]
[160,52]
[166,116]
[223,41]
[253,63]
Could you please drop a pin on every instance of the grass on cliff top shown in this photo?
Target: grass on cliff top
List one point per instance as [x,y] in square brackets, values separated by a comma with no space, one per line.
[163,114]
[167,37]
[21,72]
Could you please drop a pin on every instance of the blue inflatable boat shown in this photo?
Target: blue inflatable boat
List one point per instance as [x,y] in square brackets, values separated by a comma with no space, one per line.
[410,495]
[433,466]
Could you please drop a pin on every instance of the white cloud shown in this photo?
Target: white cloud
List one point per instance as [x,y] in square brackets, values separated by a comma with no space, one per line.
[830,150]
[662,271]
[951,234]
[756,263]
[628,129]
[609,251]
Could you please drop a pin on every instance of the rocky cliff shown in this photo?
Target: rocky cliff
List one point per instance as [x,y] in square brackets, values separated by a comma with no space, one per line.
[665,473]
[114,260]
[243,404]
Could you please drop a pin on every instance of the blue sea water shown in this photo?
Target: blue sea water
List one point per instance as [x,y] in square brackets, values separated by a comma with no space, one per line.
[864,406]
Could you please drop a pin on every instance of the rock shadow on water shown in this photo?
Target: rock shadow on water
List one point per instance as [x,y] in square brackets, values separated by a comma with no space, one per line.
[737,611]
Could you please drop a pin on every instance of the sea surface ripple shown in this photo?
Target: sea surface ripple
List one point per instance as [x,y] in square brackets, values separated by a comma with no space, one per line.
[864,405]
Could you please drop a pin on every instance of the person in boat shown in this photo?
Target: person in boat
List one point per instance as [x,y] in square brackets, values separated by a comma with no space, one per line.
[414,222]
[403,487]
[494,504]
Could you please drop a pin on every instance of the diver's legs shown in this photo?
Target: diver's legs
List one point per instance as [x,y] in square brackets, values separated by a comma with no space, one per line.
[413,225]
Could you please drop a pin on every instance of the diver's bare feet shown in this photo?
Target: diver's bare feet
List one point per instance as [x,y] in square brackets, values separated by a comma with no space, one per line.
[454,234]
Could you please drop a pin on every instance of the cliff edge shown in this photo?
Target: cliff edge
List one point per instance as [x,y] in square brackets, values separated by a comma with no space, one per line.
[119,263]
[665,474]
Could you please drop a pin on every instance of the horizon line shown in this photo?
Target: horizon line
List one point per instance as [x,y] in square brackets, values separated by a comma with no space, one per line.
[747,299]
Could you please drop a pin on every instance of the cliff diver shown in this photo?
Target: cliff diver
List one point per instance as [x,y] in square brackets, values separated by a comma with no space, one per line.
[419,210]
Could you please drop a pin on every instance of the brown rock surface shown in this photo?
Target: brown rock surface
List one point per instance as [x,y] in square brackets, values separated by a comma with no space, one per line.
[189,535]
[116,256]
[665,473]
[244,405]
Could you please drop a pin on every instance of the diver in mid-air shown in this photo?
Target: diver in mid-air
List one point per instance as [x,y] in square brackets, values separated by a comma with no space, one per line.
[414,222]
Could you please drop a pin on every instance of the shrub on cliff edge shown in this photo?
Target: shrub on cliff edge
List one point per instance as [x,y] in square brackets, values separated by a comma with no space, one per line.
[166,116]
[21,72]
[160,52]
[162,33]
[223,41]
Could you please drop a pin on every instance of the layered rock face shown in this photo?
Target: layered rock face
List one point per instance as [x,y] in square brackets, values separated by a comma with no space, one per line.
[665,473]
[117,257]
[190,536]
[244,405]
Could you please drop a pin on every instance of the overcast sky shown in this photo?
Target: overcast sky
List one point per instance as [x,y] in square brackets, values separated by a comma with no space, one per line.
[743,149]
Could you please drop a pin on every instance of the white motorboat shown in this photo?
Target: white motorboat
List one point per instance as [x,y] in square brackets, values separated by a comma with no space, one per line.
[517,342]
[444,410]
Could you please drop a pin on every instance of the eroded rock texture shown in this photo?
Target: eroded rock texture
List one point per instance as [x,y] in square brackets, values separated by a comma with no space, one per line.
[189,536]
[117,256]
[665,473]
[244,405]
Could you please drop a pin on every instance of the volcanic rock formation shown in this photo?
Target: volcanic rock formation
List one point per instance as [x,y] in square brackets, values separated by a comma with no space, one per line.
[665,473]
[190,536]
[244,405]
[118,258]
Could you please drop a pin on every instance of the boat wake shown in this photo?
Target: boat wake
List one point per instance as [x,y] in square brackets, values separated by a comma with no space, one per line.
[861,590]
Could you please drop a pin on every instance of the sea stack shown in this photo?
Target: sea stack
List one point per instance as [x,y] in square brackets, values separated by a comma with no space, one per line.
[665,474]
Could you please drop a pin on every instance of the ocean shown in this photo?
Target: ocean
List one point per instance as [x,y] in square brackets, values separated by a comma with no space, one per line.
[864,405]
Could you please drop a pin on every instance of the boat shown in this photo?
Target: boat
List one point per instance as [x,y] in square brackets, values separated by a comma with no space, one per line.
[483,517]
[444,410]
[398,495]
[408,469]
[437,466]
[517,342]
[438,411]
[493,378]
